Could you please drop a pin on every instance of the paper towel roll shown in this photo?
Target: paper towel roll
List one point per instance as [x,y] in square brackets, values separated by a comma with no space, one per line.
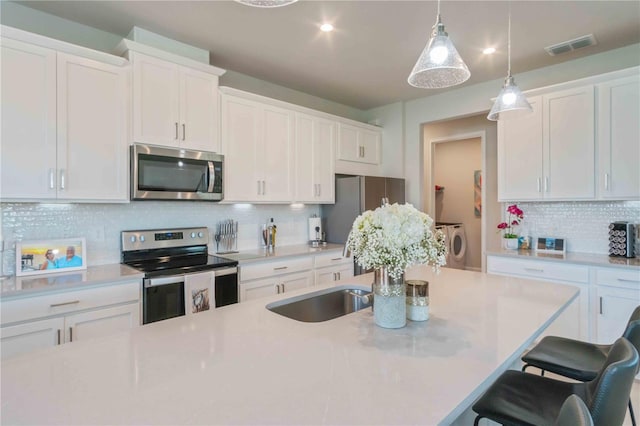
[313,222]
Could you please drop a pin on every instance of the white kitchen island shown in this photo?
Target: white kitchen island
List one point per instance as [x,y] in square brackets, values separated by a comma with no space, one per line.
[243,364]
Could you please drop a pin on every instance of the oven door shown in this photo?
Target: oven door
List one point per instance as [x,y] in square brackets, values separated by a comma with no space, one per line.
[159,173]
[226,283]
[162,298]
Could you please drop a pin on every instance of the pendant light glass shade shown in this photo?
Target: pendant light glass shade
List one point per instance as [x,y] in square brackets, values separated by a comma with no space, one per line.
[510,101]
[266,3]
[439,65]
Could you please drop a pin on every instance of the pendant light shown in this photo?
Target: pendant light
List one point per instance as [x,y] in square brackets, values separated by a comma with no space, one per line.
[510,101]
[439,65]
[266,3]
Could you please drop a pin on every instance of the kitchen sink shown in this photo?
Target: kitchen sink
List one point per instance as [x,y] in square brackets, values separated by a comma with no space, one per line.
[323,305]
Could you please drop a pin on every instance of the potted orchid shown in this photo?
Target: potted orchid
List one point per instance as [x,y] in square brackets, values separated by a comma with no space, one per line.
[509,226]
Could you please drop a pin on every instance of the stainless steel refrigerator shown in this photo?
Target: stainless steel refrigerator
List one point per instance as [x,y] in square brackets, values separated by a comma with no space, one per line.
[354,195]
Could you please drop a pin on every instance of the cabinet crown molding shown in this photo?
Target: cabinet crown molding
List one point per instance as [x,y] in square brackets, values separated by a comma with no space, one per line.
[127,45]
[61,46]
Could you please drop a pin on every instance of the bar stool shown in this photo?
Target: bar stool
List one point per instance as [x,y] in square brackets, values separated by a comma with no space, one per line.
[576,359]
[518,398]
[574,413]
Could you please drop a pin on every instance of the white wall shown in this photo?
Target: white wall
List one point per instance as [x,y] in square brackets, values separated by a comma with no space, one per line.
[454,163]
[101,224]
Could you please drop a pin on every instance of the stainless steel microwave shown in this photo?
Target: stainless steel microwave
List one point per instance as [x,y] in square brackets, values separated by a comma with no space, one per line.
[164,173]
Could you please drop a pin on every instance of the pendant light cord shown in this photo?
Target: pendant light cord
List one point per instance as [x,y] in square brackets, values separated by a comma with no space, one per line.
[508,42]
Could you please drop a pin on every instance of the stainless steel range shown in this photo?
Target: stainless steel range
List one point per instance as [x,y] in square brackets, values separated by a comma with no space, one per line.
[170,259]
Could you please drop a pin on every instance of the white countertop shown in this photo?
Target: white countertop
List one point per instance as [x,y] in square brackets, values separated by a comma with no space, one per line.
[16,287]
[589,259]
[242,364]
[278,252]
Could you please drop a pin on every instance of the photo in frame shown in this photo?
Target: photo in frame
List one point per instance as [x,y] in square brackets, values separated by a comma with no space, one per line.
[551,245]
[50,256]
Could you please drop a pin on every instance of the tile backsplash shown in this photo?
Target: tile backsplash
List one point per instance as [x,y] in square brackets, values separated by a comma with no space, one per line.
[584,225]
[101,224]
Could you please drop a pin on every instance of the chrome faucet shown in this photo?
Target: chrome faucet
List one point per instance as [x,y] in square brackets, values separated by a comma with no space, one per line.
[345,250]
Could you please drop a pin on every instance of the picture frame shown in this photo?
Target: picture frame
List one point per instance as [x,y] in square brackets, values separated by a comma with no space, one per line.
[50,256]
[551,245]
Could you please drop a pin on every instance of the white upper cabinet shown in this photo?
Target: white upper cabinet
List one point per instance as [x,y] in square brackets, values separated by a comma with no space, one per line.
[93,107]
[258,149]
[314,171]
[569,144]
[550,153]
[520,155]
[619,138]
[64,126]
[174,105]
[359,144]
[28,156]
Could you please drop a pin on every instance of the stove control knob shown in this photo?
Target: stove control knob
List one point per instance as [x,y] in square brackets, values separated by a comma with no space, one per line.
[193,235]
[133,238]
[200,234]
[142,238]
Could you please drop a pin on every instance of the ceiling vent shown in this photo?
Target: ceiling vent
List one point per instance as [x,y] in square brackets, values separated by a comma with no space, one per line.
[568,46]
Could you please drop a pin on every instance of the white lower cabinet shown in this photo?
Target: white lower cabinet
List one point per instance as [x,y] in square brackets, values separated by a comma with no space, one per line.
[332,267]
[42,321]
[617,295]
[574,321]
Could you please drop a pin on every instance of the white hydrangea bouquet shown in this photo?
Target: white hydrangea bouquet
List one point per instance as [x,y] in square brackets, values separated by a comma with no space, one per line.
[396,236]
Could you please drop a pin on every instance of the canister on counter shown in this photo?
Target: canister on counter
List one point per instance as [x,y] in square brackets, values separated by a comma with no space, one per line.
[417,300]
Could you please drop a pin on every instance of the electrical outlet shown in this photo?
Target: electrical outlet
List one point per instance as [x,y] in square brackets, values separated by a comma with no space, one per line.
[97,233]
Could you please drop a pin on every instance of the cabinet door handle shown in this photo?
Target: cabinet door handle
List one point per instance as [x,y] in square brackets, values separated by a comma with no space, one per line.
[184,132]
[363,152]
[278,288]
[176,138]
[280,268]
[59,336]
[282,287]
[606,181]
[534,270]
[264,187]
[319,190]
[600,305]
[626,280]
[539,185]
[546,184]
[55,305]
[62,178]
[258,187]
[334,276]
[339,276]
[52,179]
[70,334]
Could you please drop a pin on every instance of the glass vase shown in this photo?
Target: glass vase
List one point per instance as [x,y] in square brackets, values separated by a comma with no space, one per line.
[389,300]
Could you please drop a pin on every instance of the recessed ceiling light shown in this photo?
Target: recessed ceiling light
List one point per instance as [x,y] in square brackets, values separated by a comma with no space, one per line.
[326,28]
[489,50]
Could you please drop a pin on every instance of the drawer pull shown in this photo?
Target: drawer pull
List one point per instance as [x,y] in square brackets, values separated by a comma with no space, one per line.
[626,280]
[534,270]
[600,305]
[280,268]
[58,336]
[336,258]
[64,304]
[70,334]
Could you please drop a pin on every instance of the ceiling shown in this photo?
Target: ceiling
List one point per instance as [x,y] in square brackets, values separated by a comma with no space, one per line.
[365,62]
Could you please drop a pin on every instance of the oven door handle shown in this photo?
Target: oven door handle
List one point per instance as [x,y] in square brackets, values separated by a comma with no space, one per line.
[212,176]
[155,282]
[225,271]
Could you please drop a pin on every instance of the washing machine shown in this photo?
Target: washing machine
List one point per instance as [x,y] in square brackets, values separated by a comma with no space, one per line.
[456,242]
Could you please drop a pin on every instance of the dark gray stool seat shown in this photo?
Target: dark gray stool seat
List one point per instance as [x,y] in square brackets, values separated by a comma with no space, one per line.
[569,358]
[518,398]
